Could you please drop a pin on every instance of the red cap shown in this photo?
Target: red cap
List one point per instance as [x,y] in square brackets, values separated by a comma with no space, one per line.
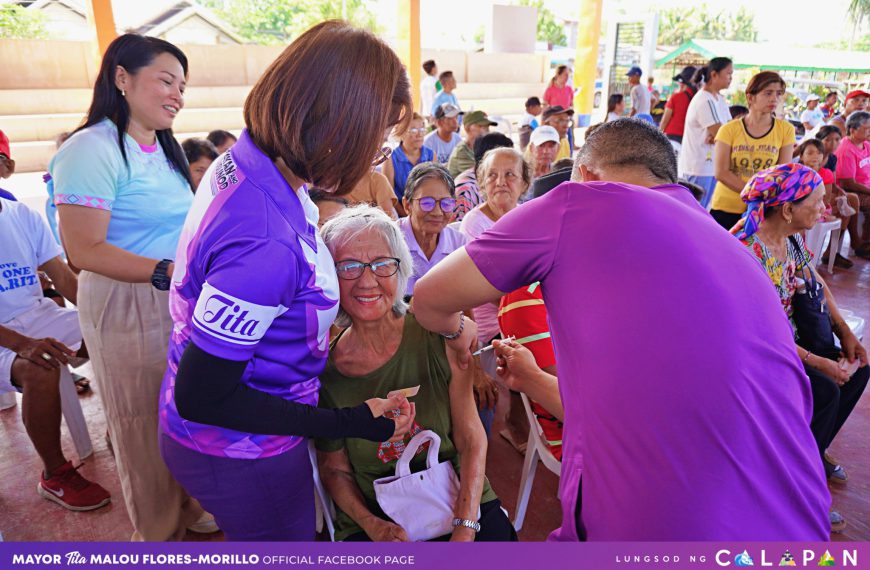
[857,93]
[4,144]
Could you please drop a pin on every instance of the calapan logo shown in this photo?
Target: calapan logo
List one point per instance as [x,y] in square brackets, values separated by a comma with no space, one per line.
[804,558]
[231,319]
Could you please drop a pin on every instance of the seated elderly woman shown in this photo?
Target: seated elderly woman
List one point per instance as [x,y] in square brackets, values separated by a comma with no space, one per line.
[467,191]
[506,177]
[784,201]
[430,201]
[383,349]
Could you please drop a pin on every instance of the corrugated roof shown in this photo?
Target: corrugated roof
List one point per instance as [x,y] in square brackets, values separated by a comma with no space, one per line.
[771,56]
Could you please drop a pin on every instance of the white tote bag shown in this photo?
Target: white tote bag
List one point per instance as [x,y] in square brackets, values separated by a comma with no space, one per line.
[421,503]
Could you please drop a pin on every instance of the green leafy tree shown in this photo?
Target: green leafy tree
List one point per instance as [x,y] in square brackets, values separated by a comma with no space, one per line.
[20,23]
[858,9]
[549,30]
[678,25]
[272,22]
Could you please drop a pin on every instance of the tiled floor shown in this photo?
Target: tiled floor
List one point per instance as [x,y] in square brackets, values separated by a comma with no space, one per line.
[24,516]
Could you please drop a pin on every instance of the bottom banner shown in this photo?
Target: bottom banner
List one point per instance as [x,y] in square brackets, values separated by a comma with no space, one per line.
[483,556]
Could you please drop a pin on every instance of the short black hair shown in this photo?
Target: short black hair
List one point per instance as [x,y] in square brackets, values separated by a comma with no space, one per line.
[488,142]
[444,76]
[630,143]
[428,66]
[811,142]
[826,130]
[563,163]
[195,149]
[738,111]
[532,102]
[219,137]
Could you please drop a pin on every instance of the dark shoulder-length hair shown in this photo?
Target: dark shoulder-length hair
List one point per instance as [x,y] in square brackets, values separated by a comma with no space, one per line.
[325,104]
[133,52]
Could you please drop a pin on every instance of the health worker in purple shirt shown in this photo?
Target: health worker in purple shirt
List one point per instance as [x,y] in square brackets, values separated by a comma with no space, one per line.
[255,290]
[678,372]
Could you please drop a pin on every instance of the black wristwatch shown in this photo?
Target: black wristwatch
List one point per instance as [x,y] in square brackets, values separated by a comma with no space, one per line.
[159,279]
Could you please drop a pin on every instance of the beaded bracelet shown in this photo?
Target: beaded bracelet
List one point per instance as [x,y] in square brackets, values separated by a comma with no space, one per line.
[458,333]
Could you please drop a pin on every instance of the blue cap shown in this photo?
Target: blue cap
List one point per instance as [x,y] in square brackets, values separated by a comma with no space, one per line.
[635,70]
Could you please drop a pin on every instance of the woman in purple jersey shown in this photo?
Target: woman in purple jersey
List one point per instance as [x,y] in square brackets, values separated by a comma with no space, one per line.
[255,289]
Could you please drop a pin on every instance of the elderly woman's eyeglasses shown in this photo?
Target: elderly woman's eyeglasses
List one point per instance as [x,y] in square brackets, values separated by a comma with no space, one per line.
[382,156]
[427,204]
[353,269]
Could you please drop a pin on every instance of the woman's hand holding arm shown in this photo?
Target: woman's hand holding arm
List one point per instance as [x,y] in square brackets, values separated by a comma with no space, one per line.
[470,440]
[84,237]
[336,473]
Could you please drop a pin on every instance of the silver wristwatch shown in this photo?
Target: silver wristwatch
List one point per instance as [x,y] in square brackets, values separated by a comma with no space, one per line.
[475,526]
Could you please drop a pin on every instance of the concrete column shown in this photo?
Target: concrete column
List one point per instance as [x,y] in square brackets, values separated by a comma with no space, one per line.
[408,44]
[101,16]
[586,59]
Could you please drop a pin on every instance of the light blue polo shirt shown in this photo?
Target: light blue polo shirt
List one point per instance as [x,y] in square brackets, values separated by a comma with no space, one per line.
[148,197]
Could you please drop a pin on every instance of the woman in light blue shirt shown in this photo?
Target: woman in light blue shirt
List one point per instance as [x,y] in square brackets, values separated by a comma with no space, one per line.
[122,189]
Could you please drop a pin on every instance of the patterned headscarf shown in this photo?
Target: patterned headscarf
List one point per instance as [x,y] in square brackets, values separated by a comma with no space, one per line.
[783,183]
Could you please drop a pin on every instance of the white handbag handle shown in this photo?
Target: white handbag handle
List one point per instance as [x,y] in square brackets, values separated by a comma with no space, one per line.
[403,466]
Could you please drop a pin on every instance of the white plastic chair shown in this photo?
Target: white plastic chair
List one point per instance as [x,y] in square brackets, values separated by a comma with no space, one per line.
[536,448]
[854,322]
[815,240]
[325,510]
[73,414]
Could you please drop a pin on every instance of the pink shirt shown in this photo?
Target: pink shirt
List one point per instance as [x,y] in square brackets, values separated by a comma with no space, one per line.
[563,96]
[473,225]
[677,369]
[853,162]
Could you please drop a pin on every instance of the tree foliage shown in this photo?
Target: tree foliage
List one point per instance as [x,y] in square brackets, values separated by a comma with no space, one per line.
[549,30]
[271,22]
[17,22]
[678,25]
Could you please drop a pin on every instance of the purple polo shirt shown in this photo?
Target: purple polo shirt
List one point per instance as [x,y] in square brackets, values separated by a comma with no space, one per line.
[686,405]
[449,240]
[253,282]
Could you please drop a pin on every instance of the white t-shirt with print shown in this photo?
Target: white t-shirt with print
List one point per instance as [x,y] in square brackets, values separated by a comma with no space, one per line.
[705,110]
[814,117]
[25,244]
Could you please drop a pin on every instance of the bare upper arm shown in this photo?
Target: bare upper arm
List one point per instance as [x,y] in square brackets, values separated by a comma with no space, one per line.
[82,228]
[334,462]
[722,158]
[458,267]
[785,154]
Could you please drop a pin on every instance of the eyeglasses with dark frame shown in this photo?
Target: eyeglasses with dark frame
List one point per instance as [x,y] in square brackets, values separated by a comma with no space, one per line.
[383,155]
[427,204]
[350,269]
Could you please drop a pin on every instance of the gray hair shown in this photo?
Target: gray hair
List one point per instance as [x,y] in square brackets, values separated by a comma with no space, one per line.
[856,120]
[486,164]
[353,221]
[629,143]
[428,171]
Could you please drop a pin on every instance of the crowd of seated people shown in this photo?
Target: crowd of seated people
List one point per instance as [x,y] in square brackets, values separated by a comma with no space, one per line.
[340,226]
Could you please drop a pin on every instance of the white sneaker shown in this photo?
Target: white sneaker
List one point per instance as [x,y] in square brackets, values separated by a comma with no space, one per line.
[205,524]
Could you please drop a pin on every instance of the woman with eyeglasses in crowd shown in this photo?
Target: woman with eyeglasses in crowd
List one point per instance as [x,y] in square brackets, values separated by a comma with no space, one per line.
[430,201]
[406,156]
[256,290]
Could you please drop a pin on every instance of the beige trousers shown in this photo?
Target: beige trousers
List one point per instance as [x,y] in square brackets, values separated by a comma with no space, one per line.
[126,328]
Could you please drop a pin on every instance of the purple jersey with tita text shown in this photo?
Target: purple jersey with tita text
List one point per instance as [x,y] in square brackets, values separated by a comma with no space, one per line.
[253,282]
